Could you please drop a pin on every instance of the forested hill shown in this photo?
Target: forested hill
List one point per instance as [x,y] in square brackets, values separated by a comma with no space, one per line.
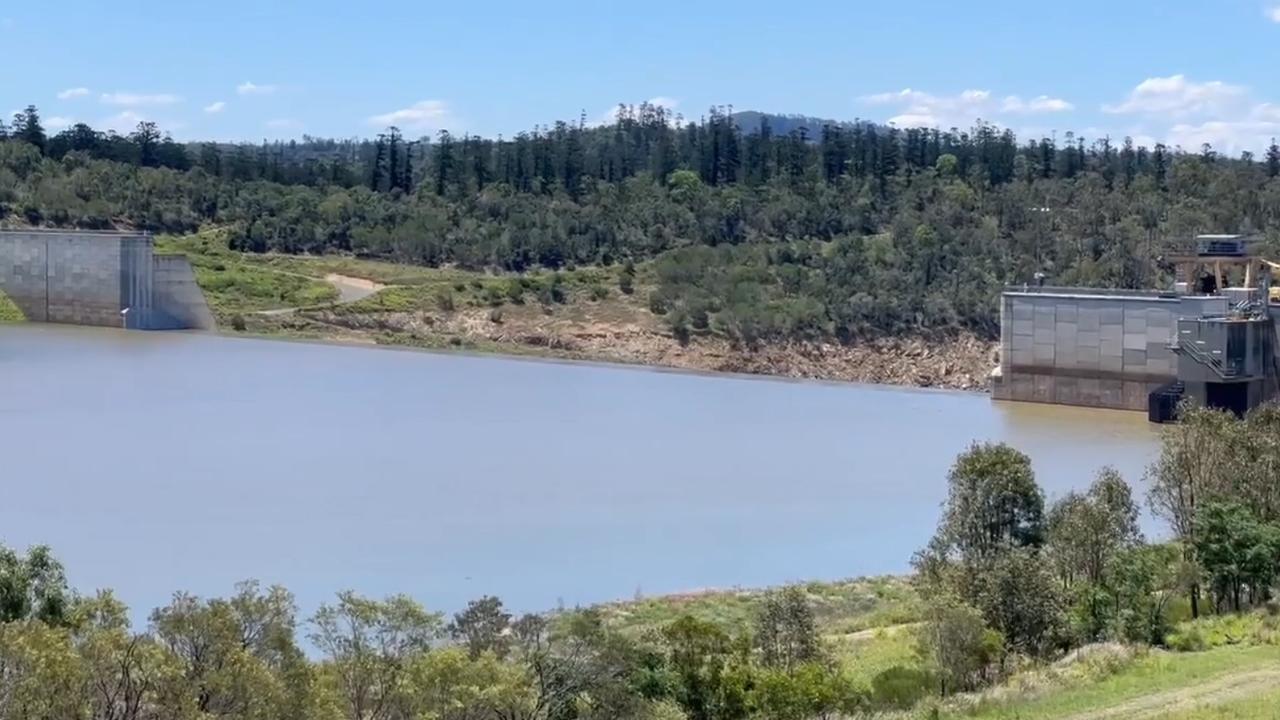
[759,236]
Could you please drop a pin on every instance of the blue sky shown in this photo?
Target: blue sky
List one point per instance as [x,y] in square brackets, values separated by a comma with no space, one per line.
[1176,71]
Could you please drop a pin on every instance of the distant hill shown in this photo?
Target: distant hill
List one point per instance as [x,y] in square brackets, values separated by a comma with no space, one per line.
[751,120]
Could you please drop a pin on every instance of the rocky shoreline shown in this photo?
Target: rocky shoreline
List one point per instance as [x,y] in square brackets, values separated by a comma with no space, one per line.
[957,361]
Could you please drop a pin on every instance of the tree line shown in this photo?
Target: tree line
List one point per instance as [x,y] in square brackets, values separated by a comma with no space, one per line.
[1006,575]
[855,230]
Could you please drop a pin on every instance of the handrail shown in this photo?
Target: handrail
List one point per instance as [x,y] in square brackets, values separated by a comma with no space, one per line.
[1208,360]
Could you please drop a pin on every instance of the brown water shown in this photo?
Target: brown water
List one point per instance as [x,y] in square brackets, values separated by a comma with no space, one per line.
[156,462]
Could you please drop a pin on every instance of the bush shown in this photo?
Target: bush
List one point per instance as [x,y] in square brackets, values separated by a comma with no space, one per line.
[515,291]
[237,322]
[658,304]
[493,295]
[599,292]
[900,687]
[495,316]
[444,300]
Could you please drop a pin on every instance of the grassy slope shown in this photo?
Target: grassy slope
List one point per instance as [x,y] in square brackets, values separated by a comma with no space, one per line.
[1167,681]
[870,625]
[841,607]
[235,283]
[242,282]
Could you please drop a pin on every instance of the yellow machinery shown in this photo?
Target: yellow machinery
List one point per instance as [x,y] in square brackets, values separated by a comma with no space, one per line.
[1275,275]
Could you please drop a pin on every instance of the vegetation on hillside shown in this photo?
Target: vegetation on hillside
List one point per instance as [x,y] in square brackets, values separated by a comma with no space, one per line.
[860,230]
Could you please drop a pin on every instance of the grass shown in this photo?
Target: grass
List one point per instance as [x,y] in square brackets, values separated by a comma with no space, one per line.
[235,283]
[840,607]
[862,659]
[1157,672]
[9,310]
[1265,706]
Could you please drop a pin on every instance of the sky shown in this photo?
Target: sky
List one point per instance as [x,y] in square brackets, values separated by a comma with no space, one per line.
[1173,71]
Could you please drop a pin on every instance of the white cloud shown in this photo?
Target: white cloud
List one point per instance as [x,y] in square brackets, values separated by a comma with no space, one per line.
[249,88]
[136,99]
[283,124]
[70,93]
[922,109]
[1179,97]
[216,107]
[1041,104]
[125,121]
[1251,131]
[422,115]
[57,122]
[1273,13]
[666,103]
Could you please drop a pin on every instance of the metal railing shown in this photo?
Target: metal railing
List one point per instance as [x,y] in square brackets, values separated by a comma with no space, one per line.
[1223,370]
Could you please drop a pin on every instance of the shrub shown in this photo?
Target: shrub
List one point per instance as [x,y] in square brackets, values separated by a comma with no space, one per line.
[495,316]
[599,292]
[515,291]
[238,323]
[900,687]
[444,300]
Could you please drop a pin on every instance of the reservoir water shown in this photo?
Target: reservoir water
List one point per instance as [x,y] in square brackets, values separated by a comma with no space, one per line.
[156,462]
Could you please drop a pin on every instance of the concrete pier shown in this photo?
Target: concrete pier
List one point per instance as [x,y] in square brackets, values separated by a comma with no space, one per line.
[92,278]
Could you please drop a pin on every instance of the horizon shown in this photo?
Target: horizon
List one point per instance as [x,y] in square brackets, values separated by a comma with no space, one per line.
[327,70]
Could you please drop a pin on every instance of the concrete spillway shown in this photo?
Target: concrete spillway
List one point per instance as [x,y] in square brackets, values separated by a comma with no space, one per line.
[113,279]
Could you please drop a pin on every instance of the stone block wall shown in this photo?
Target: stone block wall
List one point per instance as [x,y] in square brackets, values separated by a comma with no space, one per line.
[1079,348]
[90,278]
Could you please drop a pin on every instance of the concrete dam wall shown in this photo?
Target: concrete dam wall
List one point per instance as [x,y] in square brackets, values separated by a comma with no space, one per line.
[92,278]
[1082,347]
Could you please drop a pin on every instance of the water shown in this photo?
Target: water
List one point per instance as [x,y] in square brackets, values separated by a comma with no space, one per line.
[157,462]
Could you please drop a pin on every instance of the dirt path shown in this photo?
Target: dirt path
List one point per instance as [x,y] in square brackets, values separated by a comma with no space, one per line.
[871,633]
[1219,690]
[350,289]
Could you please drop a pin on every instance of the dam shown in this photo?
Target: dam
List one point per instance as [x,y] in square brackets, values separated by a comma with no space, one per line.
[113,279]
[1211,338]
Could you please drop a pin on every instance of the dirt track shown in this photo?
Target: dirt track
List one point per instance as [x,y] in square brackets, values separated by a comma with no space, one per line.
[1217,691]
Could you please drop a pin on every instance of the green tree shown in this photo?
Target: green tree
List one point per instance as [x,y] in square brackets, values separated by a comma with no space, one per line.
[483,627]
[33,586]
[958,647]
[369,645]
[786,631]
[993,503]
[1239,553]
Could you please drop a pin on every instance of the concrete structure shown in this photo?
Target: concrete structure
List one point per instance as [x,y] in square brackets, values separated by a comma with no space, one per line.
[92,278]
[1211,340]
[1075,346]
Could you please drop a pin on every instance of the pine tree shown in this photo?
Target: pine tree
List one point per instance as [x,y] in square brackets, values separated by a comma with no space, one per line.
[1160,164]
[393,157]
[379,164]
[27,127]
[444,161]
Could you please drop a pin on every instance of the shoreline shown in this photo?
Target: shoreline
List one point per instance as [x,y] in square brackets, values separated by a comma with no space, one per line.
[547,354]
[522,354]
[956,361]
